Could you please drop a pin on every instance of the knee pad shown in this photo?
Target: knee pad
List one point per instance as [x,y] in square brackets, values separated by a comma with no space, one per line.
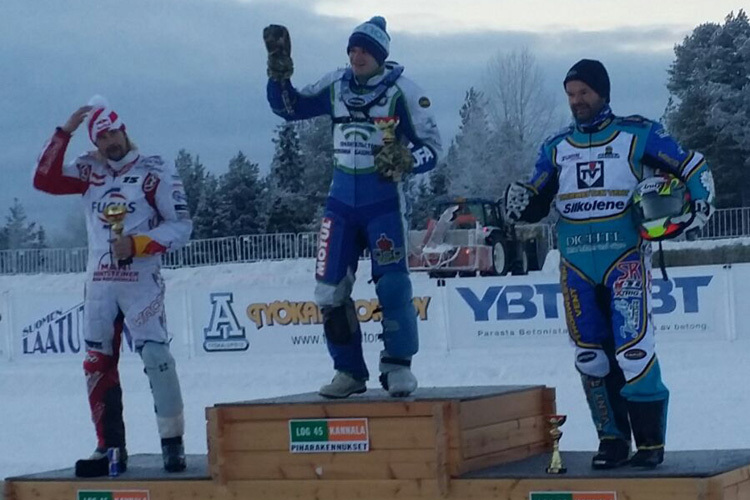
[399,316]
[330,295]
[160,368]
[592,362]
[340,323]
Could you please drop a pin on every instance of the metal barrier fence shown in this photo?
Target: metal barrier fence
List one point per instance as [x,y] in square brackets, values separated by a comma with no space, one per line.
[725,223]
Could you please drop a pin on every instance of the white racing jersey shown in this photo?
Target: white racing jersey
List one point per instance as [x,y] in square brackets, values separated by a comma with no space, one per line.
[150,190]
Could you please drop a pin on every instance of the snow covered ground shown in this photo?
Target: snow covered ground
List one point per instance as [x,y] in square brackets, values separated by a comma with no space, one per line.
[44,420]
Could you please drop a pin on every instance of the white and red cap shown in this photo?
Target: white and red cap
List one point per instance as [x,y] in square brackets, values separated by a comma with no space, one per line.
[102,118]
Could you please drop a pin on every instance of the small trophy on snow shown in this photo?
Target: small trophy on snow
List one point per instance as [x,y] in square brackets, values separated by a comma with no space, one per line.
[115,215]
[555,464]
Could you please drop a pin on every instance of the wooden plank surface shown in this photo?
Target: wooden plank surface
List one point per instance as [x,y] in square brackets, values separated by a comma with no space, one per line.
[487,411]
[503,457]
[502,436]
[392,464]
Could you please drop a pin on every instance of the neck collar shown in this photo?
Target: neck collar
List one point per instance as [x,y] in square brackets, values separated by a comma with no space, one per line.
[120,166]
[602,119]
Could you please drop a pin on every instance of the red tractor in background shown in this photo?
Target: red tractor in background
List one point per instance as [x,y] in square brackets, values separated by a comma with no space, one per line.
[470,235]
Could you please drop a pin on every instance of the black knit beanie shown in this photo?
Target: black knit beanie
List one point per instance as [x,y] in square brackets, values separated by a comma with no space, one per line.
[593,74]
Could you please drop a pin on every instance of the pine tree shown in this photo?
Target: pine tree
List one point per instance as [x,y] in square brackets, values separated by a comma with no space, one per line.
[211,218]
[709,108]
[193,175]
[289,210]
[243,195]
[18,233]
[316,151]
[472,160]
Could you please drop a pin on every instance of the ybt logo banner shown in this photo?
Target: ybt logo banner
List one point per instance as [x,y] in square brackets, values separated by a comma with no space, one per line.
[523,308]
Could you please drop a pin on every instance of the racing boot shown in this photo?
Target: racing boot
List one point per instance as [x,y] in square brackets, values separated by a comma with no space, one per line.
[396,376]
[612,453]
[649,420]
[173,454]
[97,465]
[342,386]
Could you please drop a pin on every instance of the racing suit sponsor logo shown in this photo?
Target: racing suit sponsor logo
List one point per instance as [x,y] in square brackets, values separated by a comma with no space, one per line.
[672,162]
[224,332]
[323,243]
[630,283]
[595,205]
[586,357]
[574,156]
[630,310]
[150,182]
[113,197]
[424,102]
[634,354]
[590,174]
[422,156]
[84,171]
[385,252]
[608,153]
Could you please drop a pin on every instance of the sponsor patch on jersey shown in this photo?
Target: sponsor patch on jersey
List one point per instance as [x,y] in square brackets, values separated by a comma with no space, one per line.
[608,153]
[634,354]
[424,102]
[385,251]
[179,196]
[84,171]
[586,357]
[150,182]
[590,174]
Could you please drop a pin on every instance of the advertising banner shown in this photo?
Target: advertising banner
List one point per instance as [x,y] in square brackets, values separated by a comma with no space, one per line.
[50,325]
[525,309]
[287,320]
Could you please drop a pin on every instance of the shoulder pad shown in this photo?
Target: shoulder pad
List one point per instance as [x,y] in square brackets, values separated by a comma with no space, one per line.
[153,163]
[635,120]
[559,135]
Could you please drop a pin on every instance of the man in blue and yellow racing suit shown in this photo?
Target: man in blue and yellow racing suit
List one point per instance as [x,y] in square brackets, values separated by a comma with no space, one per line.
[366,204]
[590,171]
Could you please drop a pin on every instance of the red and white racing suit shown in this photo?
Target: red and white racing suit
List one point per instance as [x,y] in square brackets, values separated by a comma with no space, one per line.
[157,219]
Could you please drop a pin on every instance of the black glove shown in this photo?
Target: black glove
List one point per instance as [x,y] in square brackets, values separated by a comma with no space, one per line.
[279,47]
[393,161]
[517,198]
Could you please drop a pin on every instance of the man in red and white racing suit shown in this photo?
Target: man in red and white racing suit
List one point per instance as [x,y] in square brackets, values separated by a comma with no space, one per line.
[124,284]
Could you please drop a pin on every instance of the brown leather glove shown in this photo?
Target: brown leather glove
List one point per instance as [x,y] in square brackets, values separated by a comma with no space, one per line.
[393,161]
[279,47]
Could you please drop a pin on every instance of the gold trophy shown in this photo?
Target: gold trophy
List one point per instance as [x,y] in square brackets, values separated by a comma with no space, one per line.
[387,125]
[555,464]
[115,215]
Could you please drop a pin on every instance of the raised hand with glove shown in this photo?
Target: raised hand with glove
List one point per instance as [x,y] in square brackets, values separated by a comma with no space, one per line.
[279,47]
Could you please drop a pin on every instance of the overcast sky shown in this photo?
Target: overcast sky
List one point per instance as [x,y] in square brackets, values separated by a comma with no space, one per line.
[191,73]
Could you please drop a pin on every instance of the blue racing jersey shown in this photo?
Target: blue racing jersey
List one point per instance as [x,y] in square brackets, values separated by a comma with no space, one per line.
[352,108]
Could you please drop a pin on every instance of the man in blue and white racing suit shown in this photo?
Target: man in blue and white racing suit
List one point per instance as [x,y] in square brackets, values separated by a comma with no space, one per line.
[590,171]
[366,204]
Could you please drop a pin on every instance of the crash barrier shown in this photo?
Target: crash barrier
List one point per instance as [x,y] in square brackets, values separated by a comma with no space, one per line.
[242,315]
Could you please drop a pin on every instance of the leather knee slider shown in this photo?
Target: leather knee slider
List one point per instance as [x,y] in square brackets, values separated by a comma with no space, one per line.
[340,323]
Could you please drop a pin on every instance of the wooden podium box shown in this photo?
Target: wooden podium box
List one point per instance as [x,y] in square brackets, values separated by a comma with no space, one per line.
[442,433]
[451,443]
